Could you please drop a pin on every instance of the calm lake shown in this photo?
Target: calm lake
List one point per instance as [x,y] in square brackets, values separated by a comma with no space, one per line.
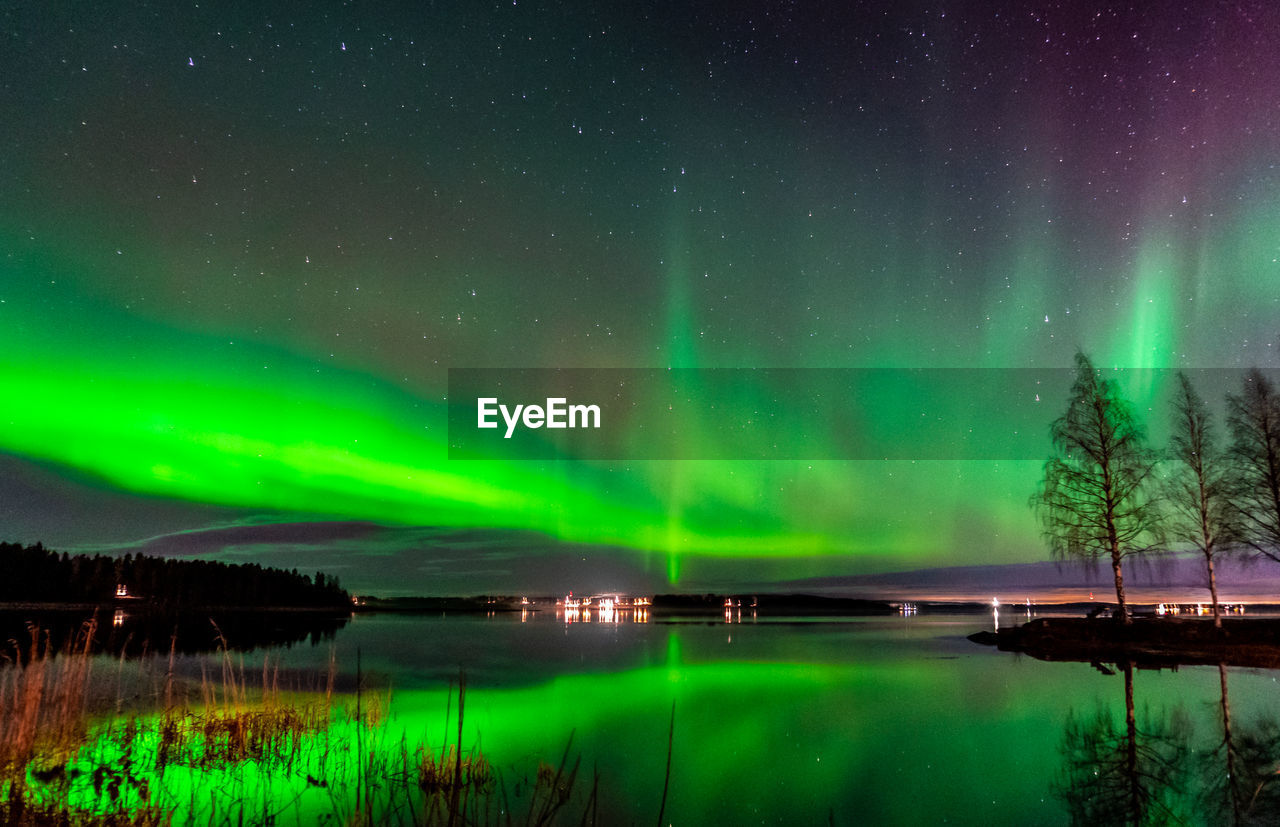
[884,720]
[890,720]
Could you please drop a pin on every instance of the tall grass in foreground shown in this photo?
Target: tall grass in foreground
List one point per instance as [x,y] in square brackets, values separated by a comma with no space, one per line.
[239,749]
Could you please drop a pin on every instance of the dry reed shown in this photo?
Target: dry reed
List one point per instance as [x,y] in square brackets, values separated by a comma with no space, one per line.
[197,754]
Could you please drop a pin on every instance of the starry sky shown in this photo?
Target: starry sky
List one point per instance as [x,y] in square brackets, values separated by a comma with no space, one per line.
[241,245]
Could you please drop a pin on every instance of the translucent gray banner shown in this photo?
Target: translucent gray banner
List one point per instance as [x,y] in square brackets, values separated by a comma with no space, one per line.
[787,413]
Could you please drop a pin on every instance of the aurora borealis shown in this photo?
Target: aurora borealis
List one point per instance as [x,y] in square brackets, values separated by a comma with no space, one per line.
[243,245]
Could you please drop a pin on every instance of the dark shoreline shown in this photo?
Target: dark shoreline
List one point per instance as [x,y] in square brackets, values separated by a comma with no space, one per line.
[1152,642]
[142,606]
[666,604]
[761,602]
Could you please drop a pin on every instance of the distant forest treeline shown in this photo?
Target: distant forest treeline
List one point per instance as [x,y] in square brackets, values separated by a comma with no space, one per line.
[37,574]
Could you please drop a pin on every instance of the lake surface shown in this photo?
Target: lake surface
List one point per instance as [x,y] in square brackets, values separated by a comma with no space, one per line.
[777,720]
[890,720]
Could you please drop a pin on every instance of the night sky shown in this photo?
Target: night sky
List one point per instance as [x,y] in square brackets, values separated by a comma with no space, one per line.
[242,244]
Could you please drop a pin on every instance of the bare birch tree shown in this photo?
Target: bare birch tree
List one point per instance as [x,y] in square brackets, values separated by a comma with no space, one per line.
[1095,500]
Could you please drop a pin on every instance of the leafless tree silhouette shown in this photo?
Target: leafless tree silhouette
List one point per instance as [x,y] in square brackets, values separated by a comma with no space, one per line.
[1094,501]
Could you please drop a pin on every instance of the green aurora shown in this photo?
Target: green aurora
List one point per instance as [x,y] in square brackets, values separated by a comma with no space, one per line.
[186,417]
[240,251]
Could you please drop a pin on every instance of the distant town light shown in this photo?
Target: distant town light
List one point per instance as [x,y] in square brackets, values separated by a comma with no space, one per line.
[607,608]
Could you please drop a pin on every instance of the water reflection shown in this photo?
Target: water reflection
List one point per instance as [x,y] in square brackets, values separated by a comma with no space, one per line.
[1124,775]
[733,611]
[1155,770]
[136,633]
[1241,773]
[602,611]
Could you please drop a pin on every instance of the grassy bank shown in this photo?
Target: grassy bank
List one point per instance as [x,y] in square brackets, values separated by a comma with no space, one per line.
[79,744]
